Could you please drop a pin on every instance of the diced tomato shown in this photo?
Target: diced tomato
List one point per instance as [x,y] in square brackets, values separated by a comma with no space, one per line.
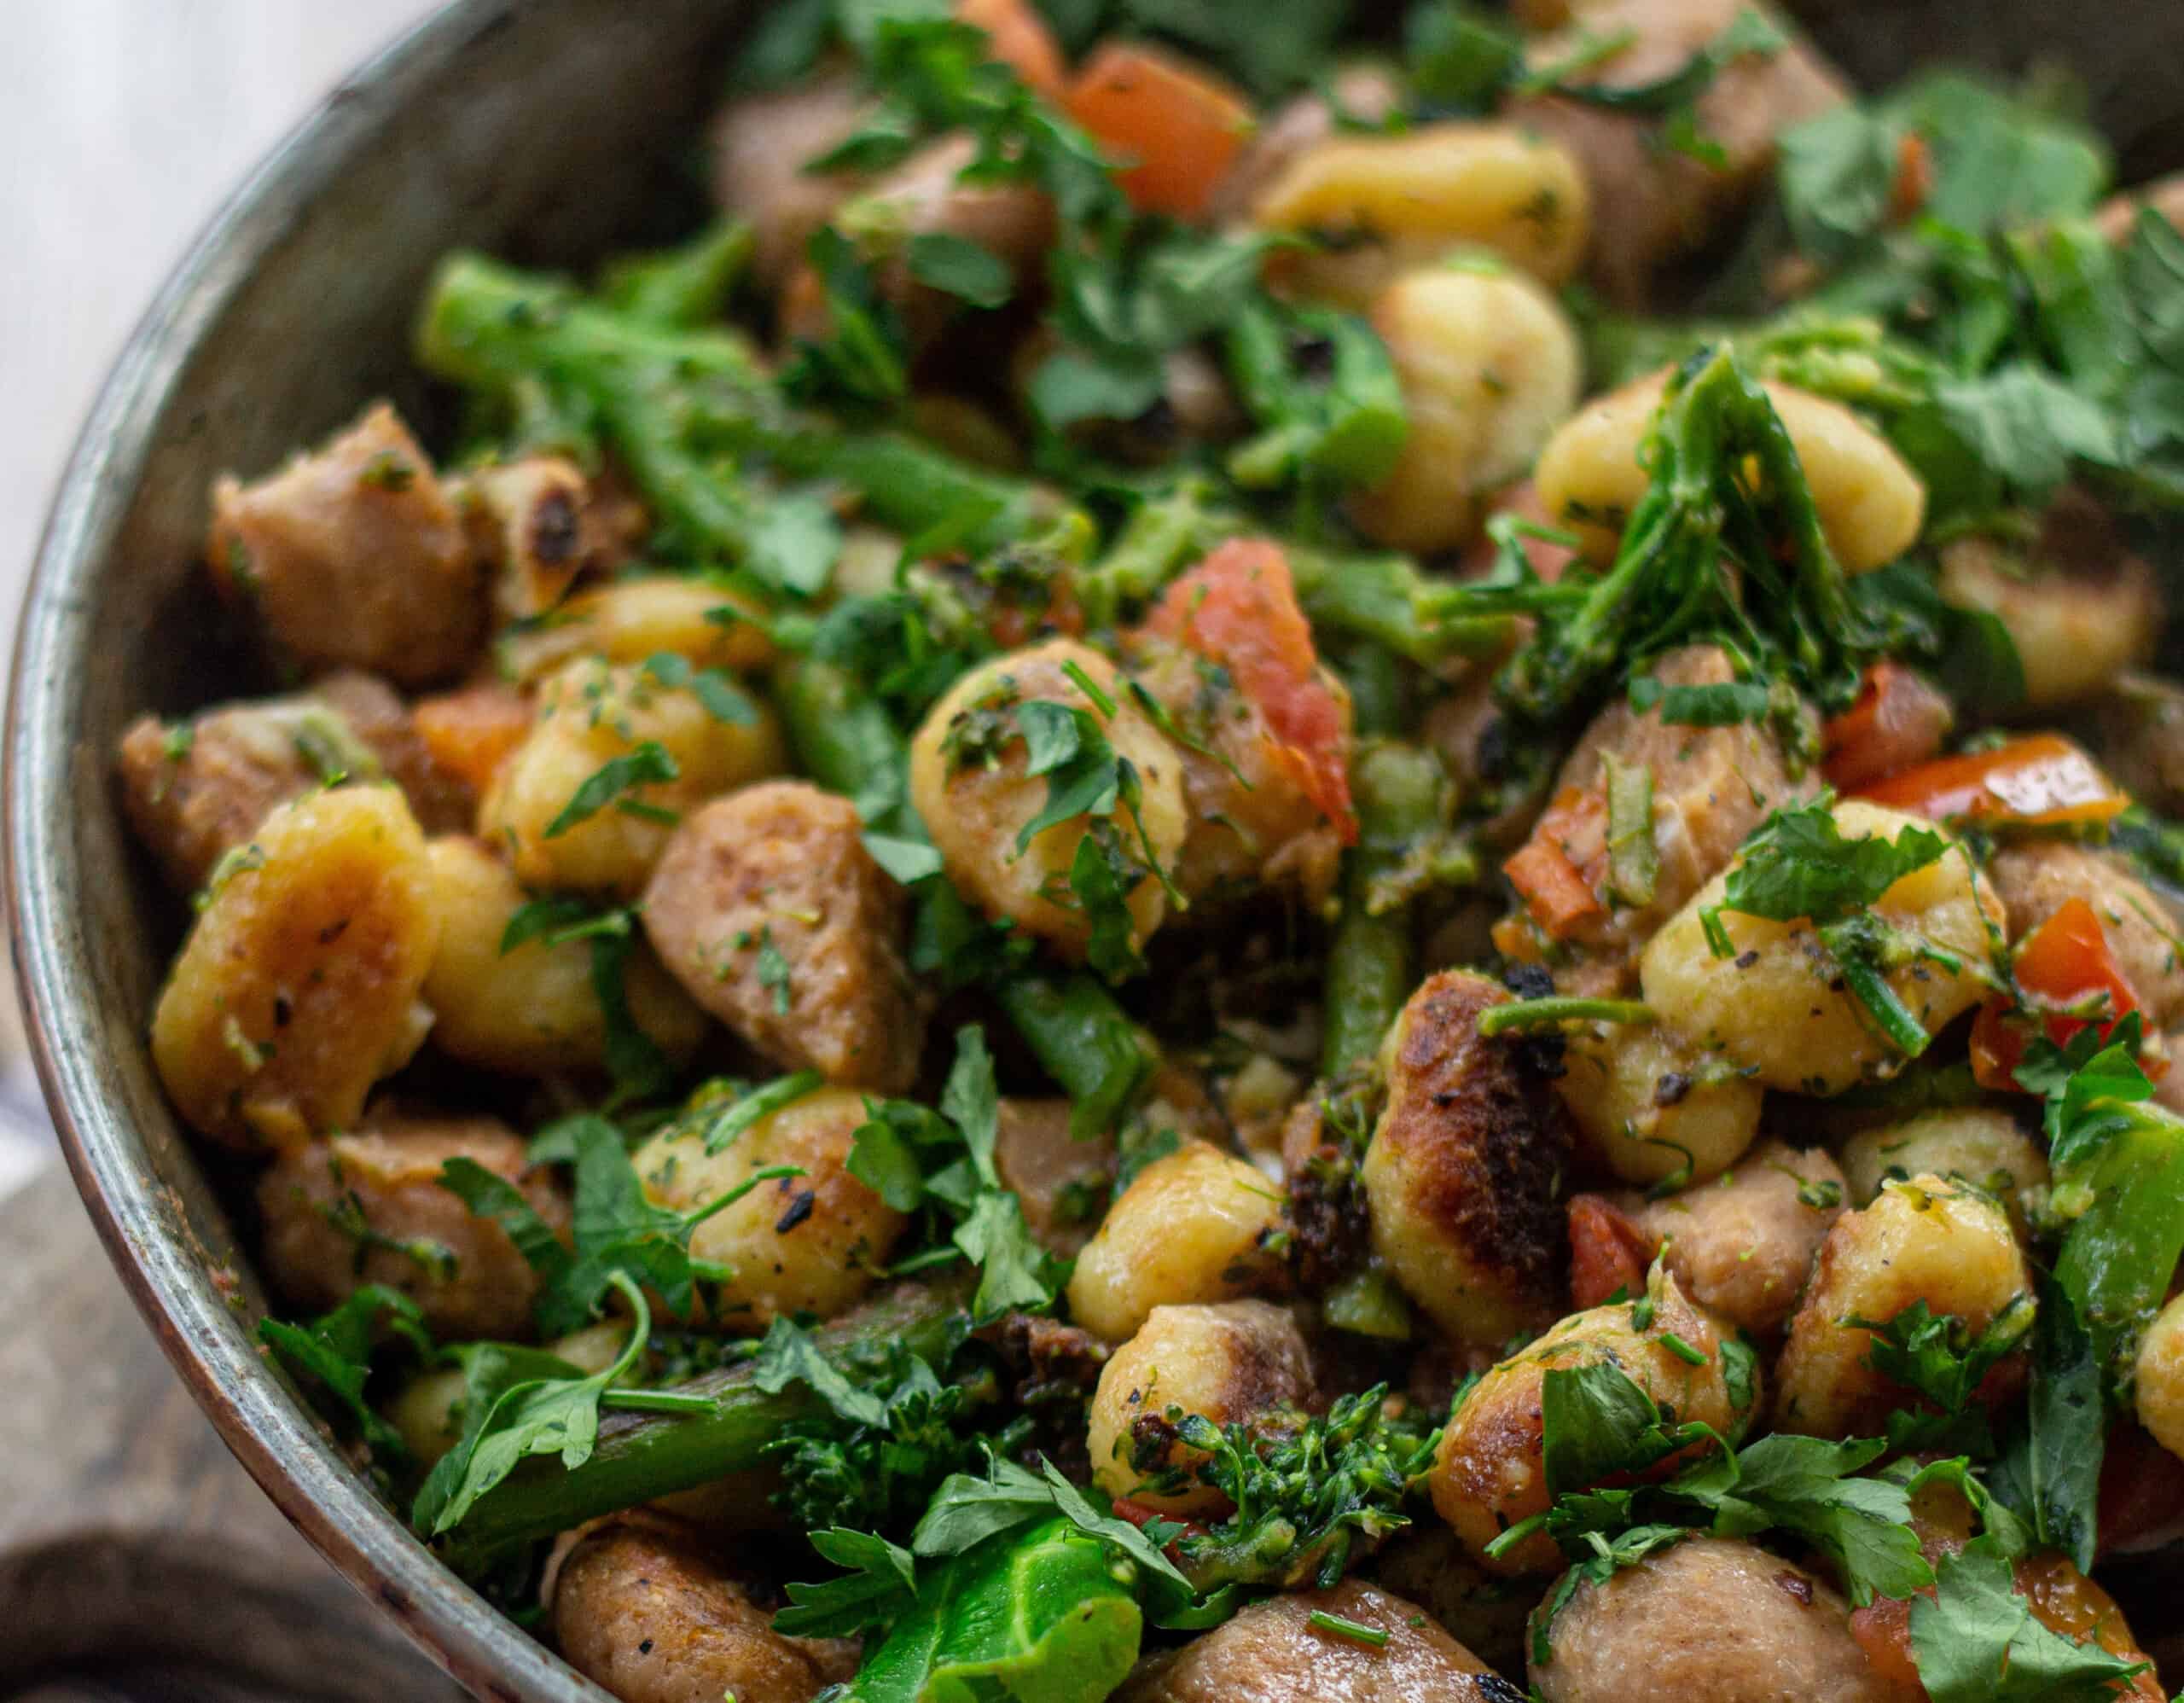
[1558,871]
[1239,608]
[1177,128]
[1608,1252]
[1883,1629]
[2064,1600]
[1897,721]
[470,732]
[2063,965]
[2041,781]
[1021,41]
[1141,1516]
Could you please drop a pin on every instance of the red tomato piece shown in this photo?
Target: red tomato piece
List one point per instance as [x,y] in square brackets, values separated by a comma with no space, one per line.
[1239,608]
[1608,1252]
[2062,966]
[2041,781]
[1177,128]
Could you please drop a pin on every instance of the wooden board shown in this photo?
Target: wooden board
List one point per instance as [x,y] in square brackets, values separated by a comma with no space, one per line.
[136,1558]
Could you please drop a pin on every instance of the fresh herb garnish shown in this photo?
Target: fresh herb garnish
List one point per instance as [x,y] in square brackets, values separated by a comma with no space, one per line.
[645,764]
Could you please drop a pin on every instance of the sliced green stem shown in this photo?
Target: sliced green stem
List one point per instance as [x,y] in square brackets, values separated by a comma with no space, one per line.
[643,1456]
[1372,961]
[1542,1014]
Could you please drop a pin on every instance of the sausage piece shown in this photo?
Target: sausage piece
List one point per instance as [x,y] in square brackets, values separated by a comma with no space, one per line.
[368,1208]
[1707,1620]
[769,911]
[1651,204]
[1272,1653]
[639,1604]
[194,790]
[354,556]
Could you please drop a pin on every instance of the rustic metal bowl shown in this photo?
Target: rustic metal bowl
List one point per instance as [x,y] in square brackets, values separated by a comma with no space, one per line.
[544,129]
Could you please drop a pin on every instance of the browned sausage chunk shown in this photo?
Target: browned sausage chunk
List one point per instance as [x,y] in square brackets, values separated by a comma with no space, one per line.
[641,1604]
[1272,1653]
[1711,786]
[353,556]
[366,1207]
[761,145]
[769,910]
[1709,1620]
[1744,1243]
[194,790]
[1651,203]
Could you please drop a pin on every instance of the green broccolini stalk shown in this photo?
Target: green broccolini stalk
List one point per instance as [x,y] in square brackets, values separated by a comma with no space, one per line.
[682,286]
[1698,560]
[683,406]
[1372,962]
[641,1456]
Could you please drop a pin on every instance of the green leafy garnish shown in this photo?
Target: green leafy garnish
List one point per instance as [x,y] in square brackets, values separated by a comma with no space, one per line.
[335,1349]
[1975,1641]
[941,1164]
[645,764]
[1939,1358]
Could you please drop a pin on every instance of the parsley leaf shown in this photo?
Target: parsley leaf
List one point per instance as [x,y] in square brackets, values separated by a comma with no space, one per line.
[1975,1641]
[723,699]
[795,542]
[863,362]
[1937,1357]
[643,764]
[961,268]
[336,1349]
[2051,1472]
[907,861]
[539,1414]
[942,1162]
[1797,865]
[878,1587]
[790,1354]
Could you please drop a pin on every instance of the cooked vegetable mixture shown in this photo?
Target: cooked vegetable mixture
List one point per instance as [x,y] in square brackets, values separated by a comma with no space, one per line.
[1255,863]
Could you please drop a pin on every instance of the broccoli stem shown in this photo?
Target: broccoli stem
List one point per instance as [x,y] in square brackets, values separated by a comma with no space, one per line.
[1371,964]
[681,404]
[643,1456]
[682,286]
[1084,1040]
